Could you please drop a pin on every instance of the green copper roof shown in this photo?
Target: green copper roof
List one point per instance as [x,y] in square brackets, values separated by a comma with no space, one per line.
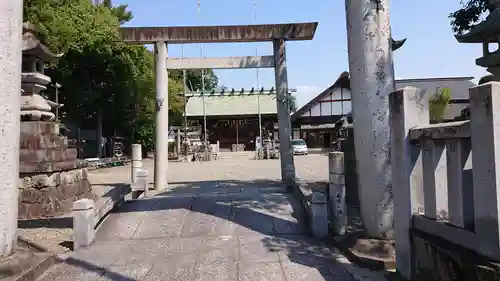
[235,104]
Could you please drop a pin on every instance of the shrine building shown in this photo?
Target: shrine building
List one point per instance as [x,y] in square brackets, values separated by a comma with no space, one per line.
[233,115]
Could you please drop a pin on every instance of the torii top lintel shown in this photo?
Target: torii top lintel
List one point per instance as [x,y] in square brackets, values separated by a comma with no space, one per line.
[219,34]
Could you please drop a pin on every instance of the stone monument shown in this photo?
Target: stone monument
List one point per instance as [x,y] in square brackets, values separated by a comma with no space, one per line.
[51,177]
[487,32]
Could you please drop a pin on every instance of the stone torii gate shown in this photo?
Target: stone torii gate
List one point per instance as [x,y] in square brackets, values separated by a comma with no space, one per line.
[162,36]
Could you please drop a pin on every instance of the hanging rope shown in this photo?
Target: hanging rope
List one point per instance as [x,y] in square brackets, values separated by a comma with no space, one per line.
[205,133]
[259,152]
[256,48]
[201,52]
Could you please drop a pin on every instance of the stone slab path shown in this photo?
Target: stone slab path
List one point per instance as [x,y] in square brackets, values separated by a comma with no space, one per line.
[239,236]
[210,225]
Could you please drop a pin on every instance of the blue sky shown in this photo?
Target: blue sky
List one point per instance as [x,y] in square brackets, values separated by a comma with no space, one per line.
[431,50]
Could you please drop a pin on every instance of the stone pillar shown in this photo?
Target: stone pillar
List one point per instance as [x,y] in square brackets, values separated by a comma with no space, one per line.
[11,17]
[161,145]
[136,160]
[408,108]
[285,128]
[83,223]
[484,124]
[372,79]
[142,183]
[319,215]
[336,191]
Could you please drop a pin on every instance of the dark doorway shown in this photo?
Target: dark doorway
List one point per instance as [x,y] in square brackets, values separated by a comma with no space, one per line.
[327,140]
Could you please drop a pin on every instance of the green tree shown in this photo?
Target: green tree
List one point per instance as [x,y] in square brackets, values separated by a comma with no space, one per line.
[120,11]
[465,18]
[438,104]
[193,79]
[98,72]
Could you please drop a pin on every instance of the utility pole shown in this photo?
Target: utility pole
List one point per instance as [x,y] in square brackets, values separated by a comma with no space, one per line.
[186,146]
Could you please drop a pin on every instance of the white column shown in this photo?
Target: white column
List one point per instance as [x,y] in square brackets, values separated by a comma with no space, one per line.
[161,146]
[11,17]
[372,79]
[285,132]
[136,160]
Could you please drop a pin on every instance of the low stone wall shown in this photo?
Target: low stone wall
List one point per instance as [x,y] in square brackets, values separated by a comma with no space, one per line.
[440,260]
[52,194]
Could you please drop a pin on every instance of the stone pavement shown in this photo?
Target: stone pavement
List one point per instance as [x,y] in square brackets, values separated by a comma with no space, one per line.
[217,229]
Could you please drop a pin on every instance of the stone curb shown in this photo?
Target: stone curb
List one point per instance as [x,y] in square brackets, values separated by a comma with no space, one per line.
[33,244]
[39,269]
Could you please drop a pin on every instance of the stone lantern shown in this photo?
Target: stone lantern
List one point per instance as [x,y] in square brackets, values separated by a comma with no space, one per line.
[51,176]
[487,32]
[34,107]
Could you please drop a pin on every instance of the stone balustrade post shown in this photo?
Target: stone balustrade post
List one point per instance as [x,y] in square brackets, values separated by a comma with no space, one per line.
[408,108]
[83,223]
[485,133]
[337,192]
[289,176]
[218,150]
[319,215]
[142,181]
[136,160]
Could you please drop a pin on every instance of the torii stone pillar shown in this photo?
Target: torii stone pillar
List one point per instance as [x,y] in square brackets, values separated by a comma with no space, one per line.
[161,144]
[11,18]
[285,131]
[372,79]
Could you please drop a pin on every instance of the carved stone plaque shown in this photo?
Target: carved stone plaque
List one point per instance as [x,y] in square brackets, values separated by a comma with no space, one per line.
[159,104]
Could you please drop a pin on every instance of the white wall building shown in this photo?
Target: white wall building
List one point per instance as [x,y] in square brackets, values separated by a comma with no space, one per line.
[315,121]
[459,88]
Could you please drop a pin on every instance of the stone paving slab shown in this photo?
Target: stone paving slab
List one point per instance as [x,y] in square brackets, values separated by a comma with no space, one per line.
[202,238]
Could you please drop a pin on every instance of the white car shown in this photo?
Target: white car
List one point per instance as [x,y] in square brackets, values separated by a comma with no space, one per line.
[299,146]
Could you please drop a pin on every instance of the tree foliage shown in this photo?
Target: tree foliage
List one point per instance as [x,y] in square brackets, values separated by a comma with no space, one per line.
[465,18]
[99,73]
[438,104]
[193,79]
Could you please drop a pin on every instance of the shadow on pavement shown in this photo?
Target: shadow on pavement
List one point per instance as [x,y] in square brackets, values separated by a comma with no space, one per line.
[275,215]
[264,213]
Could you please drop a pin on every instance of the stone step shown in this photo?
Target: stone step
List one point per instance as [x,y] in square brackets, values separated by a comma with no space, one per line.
[26,263]
[42,141]
[47,155]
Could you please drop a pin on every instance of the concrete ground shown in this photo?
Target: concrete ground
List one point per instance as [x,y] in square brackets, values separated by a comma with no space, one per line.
[224,220]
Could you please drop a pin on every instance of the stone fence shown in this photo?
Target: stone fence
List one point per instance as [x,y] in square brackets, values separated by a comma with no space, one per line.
[322,207]
[88,216]
[446,187]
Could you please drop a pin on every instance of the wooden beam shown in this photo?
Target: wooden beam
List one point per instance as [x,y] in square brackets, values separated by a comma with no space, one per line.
[335,100]
[219,34]
[221,63]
